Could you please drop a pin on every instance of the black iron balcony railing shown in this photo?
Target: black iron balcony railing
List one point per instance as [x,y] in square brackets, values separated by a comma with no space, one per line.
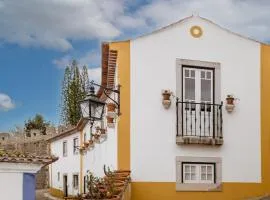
[202,120]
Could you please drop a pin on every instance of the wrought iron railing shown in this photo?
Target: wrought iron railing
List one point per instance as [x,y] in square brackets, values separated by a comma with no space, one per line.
[199,119]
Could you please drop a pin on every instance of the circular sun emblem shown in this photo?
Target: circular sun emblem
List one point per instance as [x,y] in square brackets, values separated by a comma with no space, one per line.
[196,31]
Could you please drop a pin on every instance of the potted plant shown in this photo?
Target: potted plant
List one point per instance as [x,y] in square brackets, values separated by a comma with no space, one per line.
[166,101]
[166,94]
[86,144]
[230,103]
[230,99]
[91,143]
[111,107]
[110,122]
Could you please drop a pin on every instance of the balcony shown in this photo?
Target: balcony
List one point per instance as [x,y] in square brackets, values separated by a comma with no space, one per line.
[199,123]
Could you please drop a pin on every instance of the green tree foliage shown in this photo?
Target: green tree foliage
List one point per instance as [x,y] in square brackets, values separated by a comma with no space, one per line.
[38,122]
[74,89]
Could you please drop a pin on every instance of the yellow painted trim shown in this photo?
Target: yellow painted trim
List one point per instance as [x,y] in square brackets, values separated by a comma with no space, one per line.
[56,192]
[81,163]
[123,141]
[230,191]
[196,31]
[265,114]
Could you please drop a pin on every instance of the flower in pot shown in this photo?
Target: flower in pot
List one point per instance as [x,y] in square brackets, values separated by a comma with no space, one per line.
[111,110]
[111,107]
[230,103]
[166,101]
[91,143]
[110,122]
[86,144]
[166,94]
[230,99]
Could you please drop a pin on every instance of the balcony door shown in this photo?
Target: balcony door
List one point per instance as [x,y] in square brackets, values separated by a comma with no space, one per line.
[198,98]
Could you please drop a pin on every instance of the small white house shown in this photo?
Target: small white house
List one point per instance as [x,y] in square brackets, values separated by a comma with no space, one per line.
[65,173]
[17,174]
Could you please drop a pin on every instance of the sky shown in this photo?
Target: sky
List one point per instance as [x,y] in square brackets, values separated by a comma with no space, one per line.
[38,38]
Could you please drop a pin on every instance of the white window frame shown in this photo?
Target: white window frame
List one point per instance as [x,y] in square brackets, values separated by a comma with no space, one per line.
[198,185]
[65,148]
[197,172]
[75,145]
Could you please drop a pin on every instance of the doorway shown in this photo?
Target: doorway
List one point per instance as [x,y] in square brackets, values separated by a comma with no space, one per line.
[65,185]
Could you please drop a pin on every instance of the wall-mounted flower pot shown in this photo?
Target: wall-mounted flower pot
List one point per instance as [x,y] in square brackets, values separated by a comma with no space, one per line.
[91,143]
[86,144]
[111,110]
[166,101]
[96,138]
[103,133]
[230,103]
[110,122]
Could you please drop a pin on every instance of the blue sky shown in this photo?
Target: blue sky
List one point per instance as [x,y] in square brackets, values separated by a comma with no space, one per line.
[36,44]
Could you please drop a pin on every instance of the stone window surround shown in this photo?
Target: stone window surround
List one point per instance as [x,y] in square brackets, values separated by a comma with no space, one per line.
[217,186]
[197,63]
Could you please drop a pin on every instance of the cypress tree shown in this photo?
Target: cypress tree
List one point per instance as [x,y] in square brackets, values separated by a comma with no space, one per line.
[74,89]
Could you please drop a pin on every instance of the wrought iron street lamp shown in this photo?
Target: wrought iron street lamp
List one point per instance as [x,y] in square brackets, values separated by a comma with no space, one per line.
[92,108]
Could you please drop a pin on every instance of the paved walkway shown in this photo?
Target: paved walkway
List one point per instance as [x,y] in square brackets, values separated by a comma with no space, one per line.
[44,195]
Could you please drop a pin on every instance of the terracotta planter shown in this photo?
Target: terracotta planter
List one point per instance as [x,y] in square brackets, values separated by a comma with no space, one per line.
[111,107]
[109,120]
[86,144]
[166,96]
[230,100]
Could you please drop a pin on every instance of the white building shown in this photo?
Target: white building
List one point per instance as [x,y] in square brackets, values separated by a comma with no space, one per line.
[194,110]
[17,174]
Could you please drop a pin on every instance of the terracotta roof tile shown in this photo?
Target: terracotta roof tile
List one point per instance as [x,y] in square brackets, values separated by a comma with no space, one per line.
[19,157]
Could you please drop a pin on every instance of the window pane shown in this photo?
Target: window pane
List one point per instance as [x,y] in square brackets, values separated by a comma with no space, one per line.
[208,76]
[202,74]
[205,90]
[186,73]
[189,89]
[193,176]
[193,168]
[209,169]
[209,177]
[187,176]
[192,73]
[203,177]
[203,169]
[187,168]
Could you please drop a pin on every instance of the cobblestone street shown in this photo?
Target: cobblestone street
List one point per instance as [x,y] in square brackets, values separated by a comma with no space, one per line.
[40,195]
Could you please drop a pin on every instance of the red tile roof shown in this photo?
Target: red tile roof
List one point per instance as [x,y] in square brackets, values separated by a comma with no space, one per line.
[18,157]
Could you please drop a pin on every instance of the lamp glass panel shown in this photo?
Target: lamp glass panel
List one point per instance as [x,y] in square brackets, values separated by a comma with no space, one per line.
[85,109]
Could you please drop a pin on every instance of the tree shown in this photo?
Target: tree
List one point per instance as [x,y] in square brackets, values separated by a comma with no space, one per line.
[38,122]
[74,89]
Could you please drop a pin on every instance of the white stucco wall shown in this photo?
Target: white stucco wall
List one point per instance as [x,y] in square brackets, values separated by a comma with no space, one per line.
[102,154]
[11,186]
[153,128]
[11,179]
[68,165]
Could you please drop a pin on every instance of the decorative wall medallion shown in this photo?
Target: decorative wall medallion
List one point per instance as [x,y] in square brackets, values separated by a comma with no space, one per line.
[196,31]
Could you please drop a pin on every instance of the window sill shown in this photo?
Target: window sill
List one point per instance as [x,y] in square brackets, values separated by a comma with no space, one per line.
[199,187]
[198,140]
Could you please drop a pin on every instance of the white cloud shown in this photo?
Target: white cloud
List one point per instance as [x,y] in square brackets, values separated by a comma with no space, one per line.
[90,58]
[250,18]
[95,74]
[55,23]
[6,102]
